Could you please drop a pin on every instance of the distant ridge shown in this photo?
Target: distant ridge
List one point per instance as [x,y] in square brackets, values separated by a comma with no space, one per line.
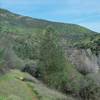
[15,20]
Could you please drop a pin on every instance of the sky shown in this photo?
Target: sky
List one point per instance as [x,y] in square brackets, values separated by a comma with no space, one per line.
[82,12]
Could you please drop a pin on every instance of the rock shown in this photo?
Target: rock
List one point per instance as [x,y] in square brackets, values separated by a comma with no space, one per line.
[84,60]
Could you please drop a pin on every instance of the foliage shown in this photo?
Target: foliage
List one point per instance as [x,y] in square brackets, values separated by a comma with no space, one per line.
[92,43]
[26,46]
[22,42]
[8,57]
[90,88]
[51,58]
[22,25]
[55,70]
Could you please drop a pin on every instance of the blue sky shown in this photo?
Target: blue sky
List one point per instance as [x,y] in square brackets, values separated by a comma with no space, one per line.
[82,12]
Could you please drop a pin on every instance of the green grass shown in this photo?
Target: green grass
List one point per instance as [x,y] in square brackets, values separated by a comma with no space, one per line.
[13,88]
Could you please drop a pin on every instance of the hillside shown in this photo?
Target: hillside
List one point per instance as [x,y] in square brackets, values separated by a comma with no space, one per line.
[19,24]
[36,25]
[28,89]
[16,29]
[41,57]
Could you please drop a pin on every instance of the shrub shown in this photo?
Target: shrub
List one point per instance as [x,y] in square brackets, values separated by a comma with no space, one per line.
[52,61]
[91,87]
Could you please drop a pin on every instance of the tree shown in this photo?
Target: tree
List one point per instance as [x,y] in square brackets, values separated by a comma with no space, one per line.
[52,60]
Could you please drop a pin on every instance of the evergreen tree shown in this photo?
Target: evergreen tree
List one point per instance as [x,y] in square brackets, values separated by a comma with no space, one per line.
[52,61]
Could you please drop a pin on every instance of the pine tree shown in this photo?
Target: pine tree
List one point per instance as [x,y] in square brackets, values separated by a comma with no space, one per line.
[52,61]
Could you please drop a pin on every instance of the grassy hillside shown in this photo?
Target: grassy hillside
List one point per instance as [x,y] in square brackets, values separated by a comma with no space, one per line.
[18,22]
[12,87]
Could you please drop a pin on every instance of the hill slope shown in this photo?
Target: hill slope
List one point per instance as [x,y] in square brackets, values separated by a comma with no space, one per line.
[29,89]
[20,38]
[17,21]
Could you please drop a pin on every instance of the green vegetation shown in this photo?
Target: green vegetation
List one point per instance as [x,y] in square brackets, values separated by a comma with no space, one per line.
[13,88]
[55,69]
[23,42]
[22,24]
[90,42]
[91,88]
[52,61]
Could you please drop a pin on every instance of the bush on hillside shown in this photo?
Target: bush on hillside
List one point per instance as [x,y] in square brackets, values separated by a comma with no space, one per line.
[55,70]
[91,87]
